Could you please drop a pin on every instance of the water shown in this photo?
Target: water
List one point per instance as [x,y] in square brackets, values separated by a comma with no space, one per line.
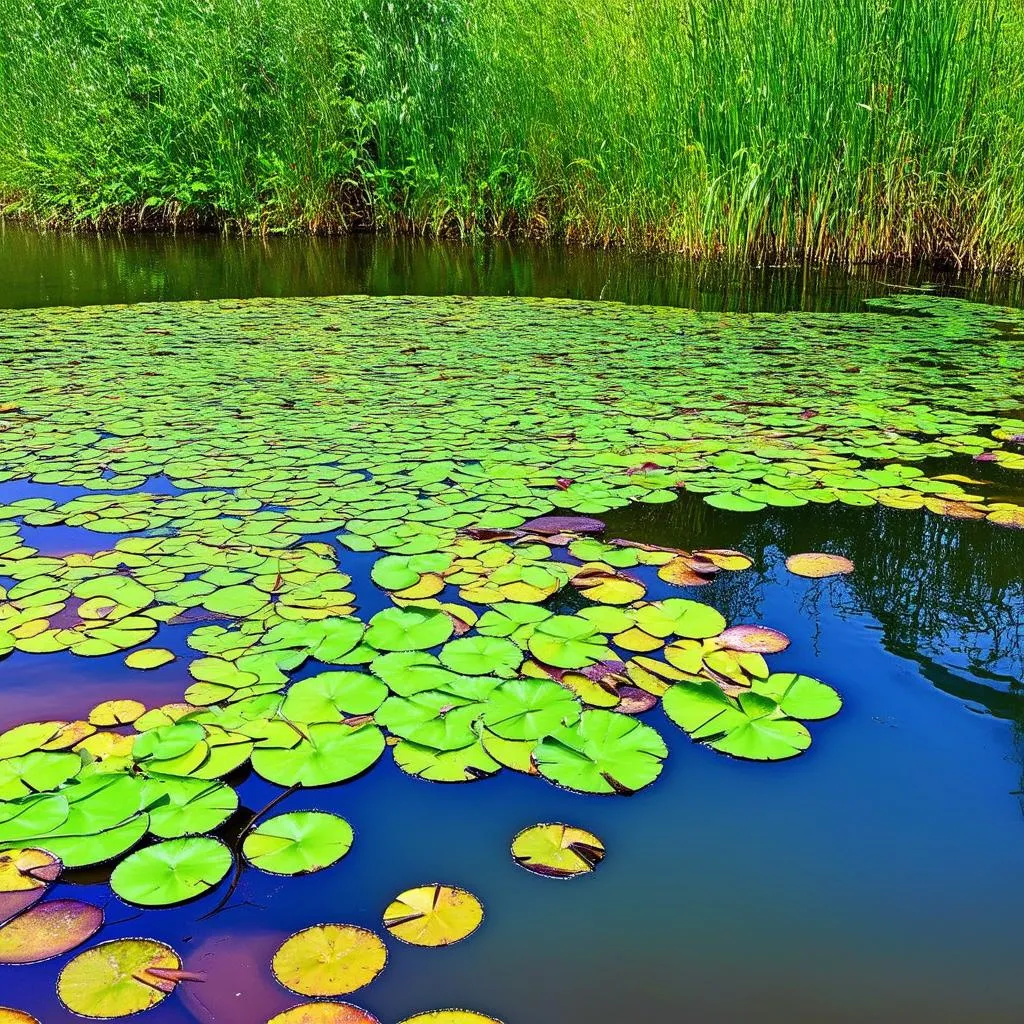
[80,270]
[874,878]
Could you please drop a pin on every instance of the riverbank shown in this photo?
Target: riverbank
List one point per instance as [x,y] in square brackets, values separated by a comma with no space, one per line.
[827,130]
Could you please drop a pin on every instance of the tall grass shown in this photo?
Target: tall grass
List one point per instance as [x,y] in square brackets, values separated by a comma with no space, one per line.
[828,129]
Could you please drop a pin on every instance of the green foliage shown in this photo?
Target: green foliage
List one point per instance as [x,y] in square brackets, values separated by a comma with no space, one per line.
[835,128]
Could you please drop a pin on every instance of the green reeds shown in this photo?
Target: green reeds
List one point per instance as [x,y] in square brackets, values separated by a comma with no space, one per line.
[768,129]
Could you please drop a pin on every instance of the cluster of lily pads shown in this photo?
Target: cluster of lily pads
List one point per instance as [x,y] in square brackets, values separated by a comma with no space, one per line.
[122,977]
[457,690]
[230,456]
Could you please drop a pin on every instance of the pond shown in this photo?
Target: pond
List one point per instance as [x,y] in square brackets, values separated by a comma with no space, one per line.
[237,485]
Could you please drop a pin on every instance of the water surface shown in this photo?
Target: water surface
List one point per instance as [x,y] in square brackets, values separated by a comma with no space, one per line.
[873,878]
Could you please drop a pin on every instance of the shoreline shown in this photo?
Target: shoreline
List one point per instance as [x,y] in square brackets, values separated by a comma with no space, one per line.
[763,253]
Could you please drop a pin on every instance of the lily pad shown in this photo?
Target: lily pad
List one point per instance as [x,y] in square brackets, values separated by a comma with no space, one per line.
[818,565]
[323,1013]
[753,639]
[464,764]
[118,978]
[602,753]
[482,655]
[298,843]
[149,658]
[800,696]
[171,872]
[25,876]
[433,915]
[751,727]
[527,709]
[408,629]
[325,754]
[450,1017]
[557,850]
[116,712]
[329,960]
[48,930]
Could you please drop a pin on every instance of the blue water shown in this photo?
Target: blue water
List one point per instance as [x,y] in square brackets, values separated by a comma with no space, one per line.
[875,878]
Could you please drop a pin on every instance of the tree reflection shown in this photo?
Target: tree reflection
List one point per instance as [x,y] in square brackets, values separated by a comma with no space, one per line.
[947,594]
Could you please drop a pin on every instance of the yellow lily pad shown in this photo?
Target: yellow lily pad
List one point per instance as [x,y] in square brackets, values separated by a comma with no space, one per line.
[322,1013]
[433,915]
[450,1017]
[818,564]
[116,712]
[557,850]
[329,960]
[117,979]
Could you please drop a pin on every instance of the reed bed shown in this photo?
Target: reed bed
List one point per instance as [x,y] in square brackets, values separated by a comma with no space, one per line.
[827,130]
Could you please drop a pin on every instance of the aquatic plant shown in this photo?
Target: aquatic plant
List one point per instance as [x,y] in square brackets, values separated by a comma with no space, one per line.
[231,460]
[750,127]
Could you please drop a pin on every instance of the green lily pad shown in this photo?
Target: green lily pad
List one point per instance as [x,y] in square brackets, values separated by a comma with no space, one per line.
[331,696]
[602,753]
[408,629]
[171,872]
[325,754]
[298,843]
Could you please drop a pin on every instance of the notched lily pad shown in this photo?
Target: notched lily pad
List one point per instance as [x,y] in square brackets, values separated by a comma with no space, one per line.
[171,872]
[450,1017]
[433,915]
[119,978]
[298,843]
[557,850]
[48,930]
[323,1013]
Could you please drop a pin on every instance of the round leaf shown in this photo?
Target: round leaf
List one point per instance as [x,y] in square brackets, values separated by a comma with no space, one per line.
[433,915]
[298,843]
[171,872]
[329,960]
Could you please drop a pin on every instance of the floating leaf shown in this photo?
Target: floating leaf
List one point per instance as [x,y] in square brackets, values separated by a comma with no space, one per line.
[817,565]
[323,1013]
[48,930]
[329,960]
[25,875]
[433,915]
[751,727]
[800,696]
[557,851]
[118,978]
[482,655]
[527,709]
[325,754]
[464,764]
[408,629]
[568,641]
[602,753]
[564,524]
[184,806]
[298,843]
[171,872]
[450,1017]
[149,658]
[331,696]
[9,1016]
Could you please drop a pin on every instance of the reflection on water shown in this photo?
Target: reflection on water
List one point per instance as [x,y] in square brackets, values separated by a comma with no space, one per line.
[82,269]
[946,593]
